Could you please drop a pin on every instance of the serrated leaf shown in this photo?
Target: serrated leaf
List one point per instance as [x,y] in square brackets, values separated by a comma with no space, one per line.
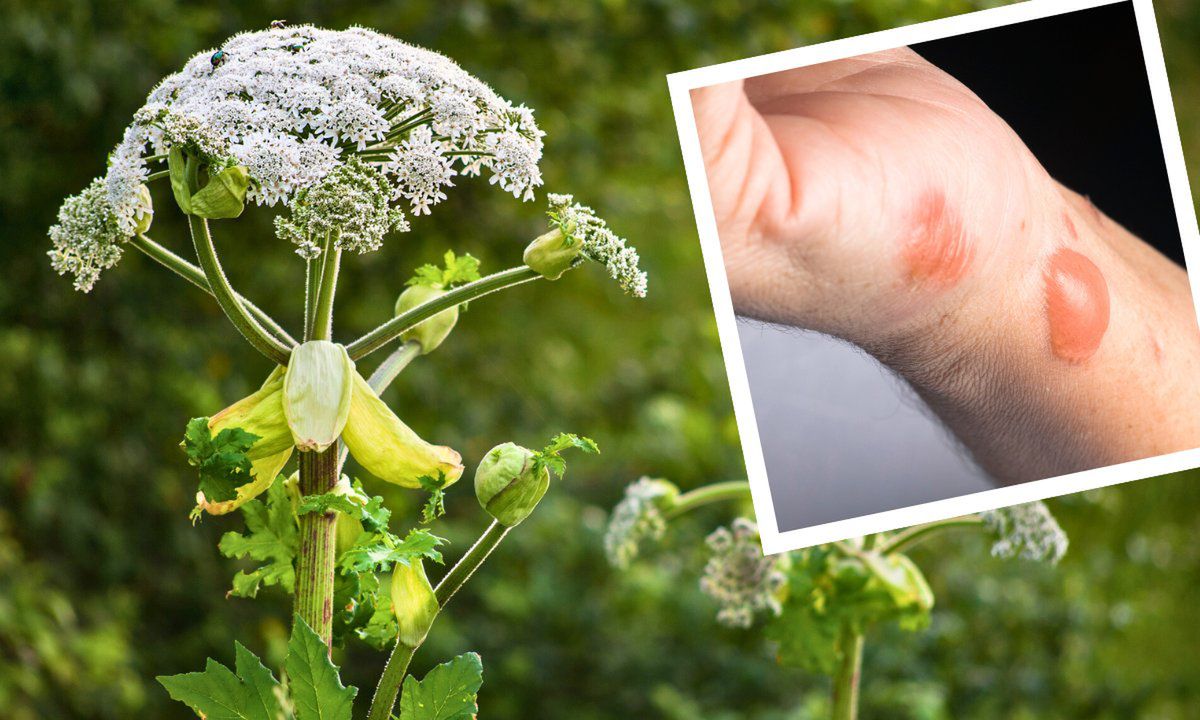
[317,690]
[377,552]
[219,694]
[271,538]
[449,692]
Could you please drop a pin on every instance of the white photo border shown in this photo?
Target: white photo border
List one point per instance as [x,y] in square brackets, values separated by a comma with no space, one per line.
[680,85]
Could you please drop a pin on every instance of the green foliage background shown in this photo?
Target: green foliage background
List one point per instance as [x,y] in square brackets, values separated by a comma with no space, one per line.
[104,583]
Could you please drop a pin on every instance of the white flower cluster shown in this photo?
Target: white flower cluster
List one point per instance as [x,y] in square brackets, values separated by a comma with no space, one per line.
[292,104]
[87,238]
[638,518]
[739,577]
[599,243]
[1027,531]
[350,205]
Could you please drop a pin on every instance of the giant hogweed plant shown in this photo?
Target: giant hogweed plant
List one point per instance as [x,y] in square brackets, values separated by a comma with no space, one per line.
[351,134]
[816,605]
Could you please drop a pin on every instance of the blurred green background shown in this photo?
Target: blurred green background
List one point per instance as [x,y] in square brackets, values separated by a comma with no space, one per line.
[104,583]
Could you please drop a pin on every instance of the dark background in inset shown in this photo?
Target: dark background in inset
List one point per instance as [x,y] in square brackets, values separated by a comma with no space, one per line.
[1074,88]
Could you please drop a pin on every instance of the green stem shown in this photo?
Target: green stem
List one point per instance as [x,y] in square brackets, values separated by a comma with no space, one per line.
[318,541]
[909,537]
[849,672]
[717,492]
[393,328]
[312,284]
[262,341]
[195,276]
[322,328]
[397,664]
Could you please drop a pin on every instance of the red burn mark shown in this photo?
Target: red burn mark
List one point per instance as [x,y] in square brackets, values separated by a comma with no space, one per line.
[1077,306]
[936,250]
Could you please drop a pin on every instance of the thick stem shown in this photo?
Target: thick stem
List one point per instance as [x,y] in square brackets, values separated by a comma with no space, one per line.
[708,494]
[322,321]
[909,537]
[228,299]
[312,286]
[318,545]
[397,664]
[195,276]
[393,328]
[846,681]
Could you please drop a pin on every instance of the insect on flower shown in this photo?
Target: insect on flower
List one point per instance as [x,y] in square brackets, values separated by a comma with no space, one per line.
[218,58]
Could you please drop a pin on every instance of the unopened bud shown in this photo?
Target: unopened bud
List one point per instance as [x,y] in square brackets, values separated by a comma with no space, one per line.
[145,214]
[509,483]
[430,333]
[413,601]
[552,254]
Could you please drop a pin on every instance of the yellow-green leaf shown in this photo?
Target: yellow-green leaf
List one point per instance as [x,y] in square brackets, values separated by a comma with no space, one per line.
[224,196]
[413,601]
[261,414]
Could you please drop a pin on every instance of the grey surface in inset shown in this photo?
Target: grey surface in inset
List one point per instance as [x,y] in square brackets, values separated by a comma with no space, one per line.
[842,436]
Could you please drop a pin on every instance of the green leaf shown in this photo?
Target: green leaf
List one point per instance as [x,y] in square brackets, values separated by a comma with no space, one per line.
[317,690]
[224,196]
[377,552]
[458,270]
[223,461]
[271,538]
[220,694]
[548,457]
[449,692]
[435,506]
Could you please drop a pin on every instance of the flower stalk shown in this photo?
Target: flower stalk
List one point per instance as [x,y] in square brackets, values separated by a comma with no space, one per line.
[250,329]
[849,672]
[397,665]
[398,325]
[195,276]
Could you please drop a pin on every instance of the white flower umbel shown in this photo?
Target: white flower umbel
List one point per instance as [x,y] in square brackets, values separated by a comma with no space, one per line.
[637,519]
[350,205]
[599,243]
[739,577]
[87,238]
[1027,531]
[294,104]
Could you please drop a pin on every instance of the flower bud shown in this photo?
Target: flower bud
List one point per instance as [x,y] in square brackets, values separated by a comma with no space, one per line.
[316,393]
[349,527]
[552,254]
[430,333]
[413,601]
[146,210]
[509,484]
[901,578]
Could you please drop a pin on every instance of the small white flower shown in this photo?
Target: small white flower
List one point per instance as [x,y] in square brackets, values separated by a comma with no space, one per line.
[87,239]
[638,519]
[421,170]
[599,243]
[739,577]
[1027,531]
[351,204]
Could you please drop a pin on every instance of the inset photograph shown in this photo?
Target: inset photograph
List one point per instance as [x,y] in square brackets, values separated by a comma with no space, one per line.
[948,262]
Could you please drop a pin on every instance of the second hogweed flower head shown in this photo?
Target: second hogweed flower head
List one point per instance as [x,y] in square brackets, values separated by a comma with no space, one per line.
[577,232]
[317,399]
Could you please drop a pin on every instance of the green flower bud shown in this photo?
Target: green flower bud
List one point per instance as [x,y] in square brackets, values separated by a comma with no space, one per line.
[430,333]
[316,393]
[413,602]
[902,579]
[509,483]
[147,217]
[552,254]
[349,527]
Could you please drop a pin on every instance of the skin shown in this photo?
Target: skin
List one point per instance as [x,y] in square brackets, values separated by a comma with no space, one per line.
[877,199]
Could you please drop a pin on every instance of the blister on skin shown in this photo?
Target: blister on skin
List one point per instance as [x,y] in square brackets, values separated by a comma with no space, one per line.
[936,250]
[1077,306]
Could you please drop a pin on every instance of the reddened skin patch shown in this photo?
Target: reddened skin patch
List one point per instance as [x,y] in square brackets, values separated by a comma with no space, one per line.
[1077,305]
[936,250]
